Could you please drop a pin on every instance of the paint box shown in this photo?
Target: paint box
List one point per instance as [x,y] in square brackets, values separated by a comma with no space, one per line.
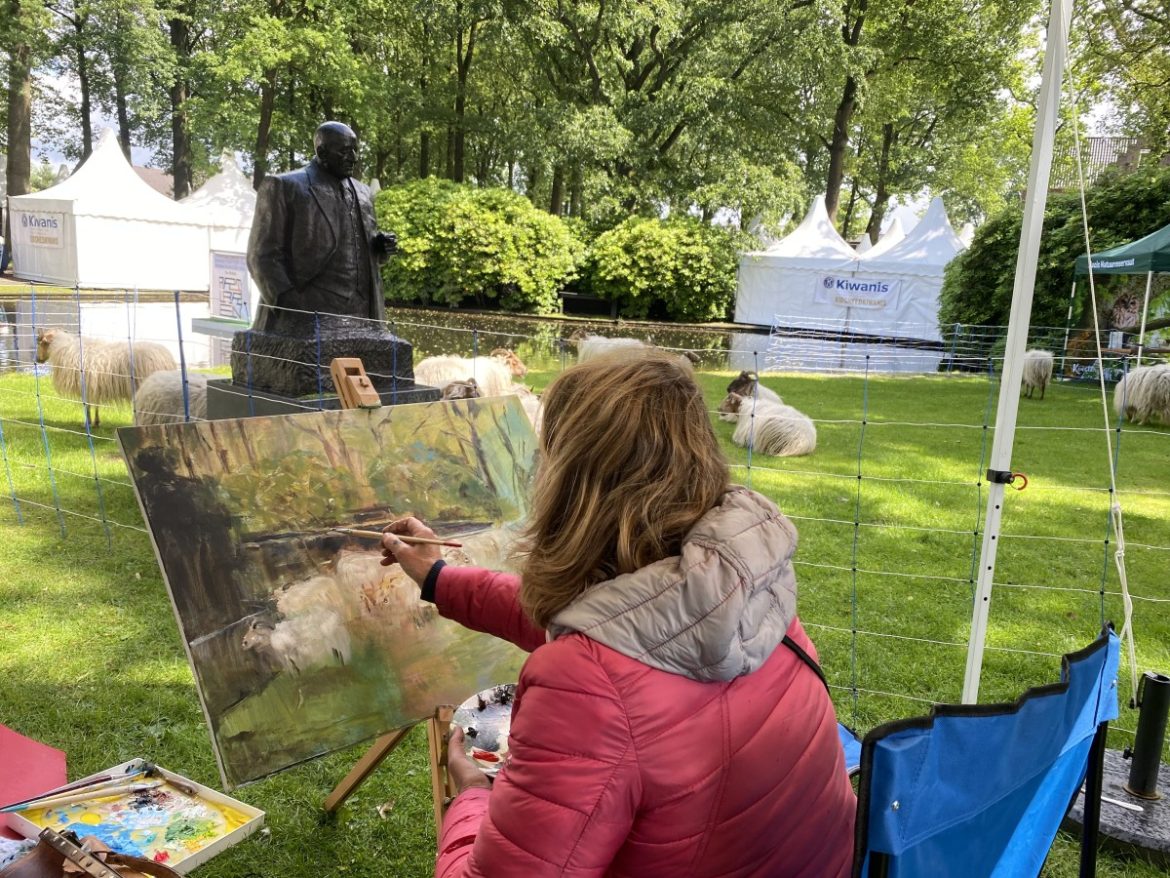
[180,823]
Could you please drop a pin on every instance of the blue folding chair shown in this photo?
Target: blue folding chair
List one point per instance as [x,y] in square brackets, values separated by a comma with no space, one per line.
[980,790]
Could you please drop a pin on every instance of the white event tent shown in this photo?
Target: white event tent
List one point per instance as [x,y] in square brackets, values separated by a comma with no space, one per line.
[813,280]
[103,227]
[227,202]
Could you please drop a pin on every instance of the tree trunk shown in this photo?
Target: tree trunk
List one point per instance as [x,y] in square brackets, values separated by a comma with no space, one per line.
[180,126]
[83,81]
[424,154]
[18,172]
[838,146]
[881,198]
[843,117]
[556,201]
[462,70]
[533,182]
[576,195]
[848,221]
[450,153]
[123,113]
[264,128]
[119,66]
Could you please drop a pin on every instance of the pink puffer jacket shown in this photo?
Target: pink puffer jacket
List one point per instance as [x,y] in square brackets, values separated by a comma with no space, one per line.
[634,755]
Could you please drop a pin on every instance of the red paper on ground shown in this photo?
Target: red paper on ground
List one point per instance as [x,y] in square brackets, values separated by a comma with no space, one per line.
[27,768]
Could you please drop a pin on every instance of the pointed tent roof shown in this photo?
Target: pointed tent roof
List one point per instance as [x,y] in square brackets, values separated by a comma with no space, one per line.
[865,244]
[227,200]
[967,234]
[894,236]
[927,249]
[1151,253]
[106,185]
[815,237]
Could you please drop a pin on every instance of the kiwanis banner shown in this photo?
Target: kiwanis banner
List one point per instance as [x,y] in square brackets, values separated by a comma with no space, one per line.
[39,229]
[849,291]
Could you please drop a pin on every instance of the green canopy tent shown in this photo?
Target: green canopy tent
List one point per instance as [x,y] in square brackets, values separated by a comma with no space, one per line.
[1149,256]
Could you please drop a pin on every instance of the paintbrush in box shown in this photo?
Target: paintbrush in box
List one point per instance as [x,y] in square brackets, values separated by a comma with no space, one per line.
[410,541]
[84,795]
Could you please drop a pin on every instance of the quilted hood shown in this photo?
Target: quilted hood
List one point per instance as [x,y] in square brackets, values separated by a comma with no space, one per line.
[716,611]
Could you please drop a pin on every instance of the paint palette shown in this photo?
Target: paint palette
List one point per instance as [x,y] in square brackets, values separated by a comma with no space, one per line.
[165,817]
[486,720]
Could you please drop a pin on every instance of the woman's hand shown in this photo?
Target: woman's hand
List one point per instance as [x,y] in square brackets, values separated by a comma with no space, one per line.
[416,560]
[464,773]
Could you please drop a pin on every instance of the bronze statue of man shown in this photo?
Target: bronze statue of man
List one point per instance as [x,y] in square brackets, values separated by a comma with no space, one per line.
[315,244]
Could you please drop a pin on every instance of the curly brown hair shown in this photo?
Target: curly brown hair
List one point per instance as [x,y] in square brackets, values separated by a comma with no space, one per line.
[629,463]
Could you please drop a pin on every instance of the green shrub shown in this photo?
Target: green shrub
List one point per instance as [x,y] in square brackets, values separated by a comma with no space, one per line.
[680,268]
[978,284]
[457,243]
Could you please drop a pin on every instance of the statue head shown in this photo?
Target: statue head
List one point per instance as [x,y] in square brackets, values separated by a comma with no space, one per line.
[336,147]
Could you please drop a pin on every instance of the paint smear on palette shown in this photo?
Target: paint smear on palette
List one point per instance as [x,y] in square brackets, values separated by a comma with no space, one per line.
[162,824]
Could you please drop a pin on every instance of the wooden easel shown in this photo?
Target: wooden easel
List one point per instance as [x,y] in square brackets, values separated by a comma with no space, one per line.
[438,732]
[354,390]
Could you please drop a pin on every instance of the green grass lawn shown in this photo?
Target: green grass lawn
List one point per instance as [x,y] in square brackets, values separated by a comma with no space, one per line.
[91,660]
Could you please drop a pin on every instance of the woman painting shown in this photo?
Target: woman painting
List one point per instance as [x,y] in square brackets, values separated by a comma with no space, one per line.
[662,728]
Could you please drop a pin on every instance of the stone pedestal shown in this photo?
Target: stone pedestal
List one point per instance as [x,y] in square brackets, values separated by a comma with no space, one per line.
[226,399]
[287,372]
[295,362]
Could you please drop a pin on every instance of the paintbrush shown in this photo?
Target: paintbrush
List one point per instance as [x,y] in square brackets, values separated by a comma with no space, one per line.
[84,796]
[410,541]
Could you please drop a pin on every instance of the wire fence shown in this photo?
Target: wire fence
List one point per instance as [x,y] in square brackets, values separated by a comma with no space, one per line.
[889,507]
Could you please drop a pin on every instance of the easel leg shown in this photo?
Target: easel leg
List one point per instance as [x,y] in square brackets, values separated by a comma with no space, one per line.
[364,768]
[438,731]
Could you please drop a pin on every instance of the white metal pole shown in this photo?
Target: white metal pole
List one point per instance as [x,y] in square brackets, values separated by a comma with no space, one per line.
[1047,112]
[1072,298]
[1145,308]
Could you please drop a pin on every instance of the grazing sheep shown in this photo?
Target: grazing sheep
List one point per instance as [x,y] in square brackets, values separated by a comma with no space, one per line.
[159,399]
[776,429]
[1143,394]
[493,376]
[513,362]
[749,384]
[1037,371]
[302,642]
[107,371]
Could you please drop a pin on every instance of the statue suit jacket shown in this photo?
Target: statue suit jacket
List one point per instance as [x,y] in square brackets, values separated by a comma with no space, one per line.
[293,238]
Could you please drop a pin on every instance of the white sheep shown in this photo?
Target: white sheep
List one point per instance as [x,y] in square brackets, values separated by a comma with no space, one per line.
[159,399]
[1143,394]
[322,592]
[1037,371]
[493,376]
[514,363]
[749,384]
[770,427]
[590,347]
[98,371]
[302,642]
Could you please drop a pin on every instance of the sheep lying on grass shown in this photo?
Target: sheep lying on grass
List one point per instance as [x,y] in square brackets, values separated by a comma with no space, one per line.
[492,374]
[770,427]
[1143,394]
[748,384]
[590,347]
[469,389]
[99,371]
[159,399]
[1037,371]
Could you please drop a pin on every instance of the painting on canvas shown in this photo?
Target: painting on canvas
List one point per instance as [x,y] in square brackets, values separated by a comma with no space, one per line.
[300,641]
